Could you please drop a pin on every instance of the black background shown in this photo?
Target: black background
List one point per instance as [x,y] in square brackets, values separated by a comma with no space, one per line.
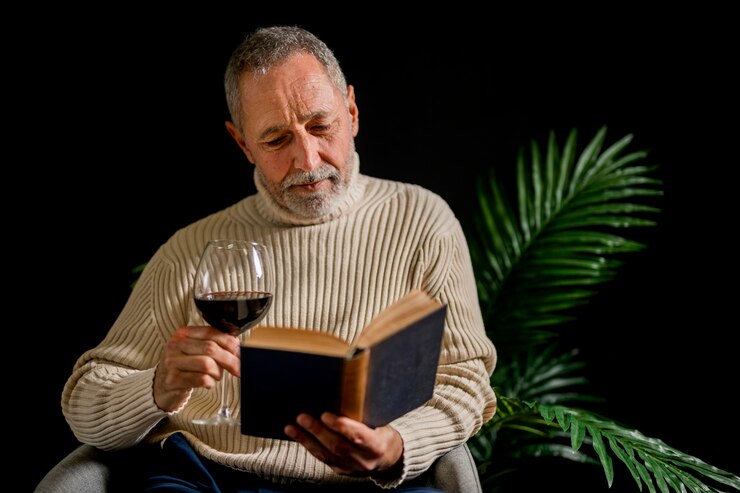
[120,140]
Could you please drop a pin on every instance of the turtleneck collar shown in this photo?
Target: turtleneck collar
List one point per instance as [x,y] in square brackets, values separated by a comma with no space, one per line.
[275,213]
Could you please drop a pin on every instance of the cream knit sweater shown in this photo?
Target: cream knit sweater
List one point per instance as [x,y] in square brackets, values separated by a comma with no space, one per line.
[333,274]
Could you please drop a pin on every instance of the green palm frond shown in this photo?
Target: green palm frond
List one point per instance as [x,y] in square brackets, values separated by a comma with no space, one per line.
[649,460]
[518,431]
[137,270]
[539,431]
[537,261]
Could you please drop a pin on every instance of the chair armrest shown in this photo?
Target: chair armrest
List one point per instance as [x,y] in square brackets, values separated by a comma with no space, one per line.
[84,470]
[456,472]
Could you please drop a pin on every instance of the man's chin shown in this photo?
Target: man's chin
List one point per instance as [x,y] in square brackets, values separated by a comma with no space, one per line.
[306,201]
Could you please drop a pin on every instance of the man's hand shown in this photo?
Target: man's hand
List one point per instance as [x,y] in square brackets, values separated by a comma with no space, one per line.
[193,357]
[348,446]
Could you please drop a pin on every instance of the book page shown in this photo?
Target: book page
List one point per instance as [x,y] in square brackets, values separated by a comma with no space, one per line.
[301,340]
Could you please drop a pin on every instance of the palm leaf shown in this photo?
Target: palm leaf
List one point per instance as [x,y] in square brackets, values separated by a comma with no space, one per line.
[643,456]
[535,263]
[539,261]
[543,430]
[518,432]
[137,270]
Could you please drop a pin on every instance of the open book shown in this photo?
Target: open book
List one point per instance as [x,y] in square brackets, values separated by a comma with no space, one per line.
[389,370]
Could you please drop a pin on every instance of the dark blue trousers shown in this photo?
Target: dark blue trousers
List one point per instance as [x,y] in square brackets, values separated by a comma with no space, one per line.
[176,467]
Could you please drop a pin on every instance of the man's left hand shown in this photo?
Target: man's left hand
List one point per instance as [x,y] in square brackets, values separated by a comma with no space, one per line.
[348,446]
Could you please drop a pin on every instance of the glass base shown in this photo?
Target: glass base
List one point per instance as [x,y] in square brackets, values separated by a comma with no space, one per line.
[223,418]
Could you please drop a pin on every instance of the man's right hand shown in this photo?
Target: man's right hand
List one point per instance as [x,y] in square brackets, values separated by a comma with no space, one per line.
[193,357]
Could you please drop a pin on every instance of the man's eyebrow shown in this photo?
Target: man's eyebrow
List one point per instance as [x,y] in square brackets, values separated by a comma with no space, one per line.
[316,115]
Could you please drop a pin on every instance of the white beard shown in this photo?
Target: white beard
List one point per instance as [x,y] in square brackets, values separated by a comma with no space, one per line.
[312,205]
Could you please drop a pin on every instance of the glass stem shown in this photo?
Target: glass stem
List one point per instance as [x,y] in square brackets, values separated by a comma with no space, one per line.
[224,412]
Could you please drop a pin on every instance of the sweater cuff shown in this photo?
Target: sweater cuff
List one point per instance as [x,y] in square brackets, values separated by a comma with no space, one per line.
[133,402]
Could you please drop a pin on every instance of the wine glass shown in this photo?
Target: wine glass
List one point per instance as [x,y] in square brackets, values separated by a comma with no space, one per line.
[233,291]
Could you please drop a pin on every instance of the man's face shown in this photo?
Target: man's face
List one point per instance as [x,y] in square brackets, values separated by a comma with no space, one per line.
[299,132]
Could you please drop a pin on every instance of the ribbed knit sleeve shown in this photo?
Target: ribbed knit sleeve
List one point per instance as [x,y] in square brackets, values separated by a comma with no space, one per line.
[108,401]
[332,275]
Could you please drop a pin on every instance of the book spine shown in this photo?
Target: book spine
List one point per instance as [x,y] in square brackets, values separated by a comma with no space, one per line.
[354,384]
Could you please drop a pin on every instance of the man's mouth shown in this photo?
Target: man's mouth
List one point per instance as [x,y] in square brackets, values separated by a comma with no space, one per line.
[310,186]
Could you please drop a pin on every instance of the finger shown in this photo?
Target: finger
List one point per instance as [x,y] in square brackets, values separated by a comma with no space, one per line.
[299,435]
[214,362]
[177,374]
[369,448]
[206,333]
[338,450]
[223,350]
[184,379]
[316,428]
[178,369]
[197,364]
[321,435]
[355,432]
[309,442]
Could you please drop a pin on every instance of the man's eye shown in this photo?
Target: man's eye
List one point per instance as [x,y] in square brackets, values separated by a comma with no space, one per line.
[318,129]
[275,142]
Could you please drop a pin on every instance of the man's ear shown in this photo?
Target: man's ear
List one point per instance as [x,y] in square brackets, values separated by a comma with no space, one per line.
[237,136]
[354,112]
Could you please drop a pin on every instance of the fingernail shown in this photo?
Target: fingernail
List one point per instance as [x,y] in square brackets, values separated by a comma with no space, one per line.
[304,420]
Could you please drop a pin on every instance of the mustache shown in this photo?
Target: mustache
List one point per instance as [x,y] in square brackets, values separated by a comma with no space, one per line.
[304,177]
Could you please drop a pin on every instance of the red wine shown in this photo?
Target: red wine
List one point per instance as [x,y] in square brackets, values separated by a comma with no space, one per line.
[233,312]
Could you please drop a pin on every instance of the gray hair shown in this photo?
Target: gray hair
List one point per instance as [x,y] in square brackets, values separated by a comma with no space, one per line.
[268,47]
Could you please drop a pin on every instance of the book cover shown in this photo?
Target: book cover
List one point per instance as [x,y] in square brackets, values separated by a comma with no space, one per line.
[278,385]
[402,370]
[288,371]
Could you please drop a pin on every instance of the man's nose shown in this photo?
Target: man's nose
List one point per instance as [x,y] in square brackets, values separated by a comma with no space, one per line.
[306,155]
